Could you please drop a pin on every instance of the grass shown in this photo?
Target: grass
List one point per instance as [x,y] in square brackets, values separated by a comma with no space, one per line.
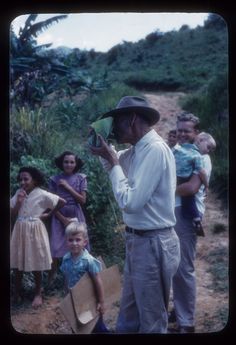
[218,260]
[218,322]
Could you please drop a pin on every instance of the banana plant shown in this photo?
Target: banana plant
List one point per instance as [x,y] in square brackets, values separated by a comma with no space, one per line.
[28,69]
[25,43]
[24,48]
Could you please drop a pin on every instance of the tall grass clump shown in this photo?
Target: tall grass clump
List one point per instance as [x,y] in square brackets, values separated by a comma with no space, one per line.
[33,132]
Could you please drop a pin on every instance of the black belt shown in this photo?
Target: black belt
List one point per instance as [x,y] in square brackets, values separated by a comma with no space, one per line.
[141,232]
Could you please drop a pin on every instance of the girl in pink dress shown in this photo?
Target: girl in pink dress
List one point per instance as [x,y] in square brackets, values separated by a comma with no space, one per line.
[71,186]
[29,246]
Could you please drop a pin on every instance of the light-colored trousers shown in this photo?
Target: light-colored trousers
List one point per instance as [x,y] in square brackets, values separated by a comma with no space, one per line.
[184,281]
[151,261]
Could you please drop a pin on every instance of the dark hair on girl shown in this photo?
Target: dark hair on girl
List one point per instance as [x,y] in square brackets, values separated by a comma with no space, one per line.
[59,161]
[36,175]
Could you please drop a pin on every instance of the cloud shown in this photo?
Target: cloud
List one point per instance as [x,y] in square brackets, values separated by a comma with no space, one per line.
[45,38]
[50,38]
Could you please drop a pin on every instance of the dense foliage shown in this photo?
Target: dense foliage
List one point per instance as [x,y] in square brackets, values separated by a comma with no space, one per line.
[56,93]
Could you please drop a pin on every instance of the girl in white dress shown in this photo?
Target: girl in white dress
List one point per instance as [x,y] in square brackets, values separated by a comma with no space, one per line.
[29,246]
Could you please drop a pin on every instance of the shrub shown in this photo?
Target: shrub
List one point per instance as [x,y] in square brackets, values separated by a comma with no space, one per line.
[102,213]
[153,80]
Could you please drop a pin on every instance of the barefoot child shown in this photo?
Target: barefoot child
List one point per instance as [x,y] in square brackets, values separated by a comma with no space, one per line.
[78,261]
[29,246]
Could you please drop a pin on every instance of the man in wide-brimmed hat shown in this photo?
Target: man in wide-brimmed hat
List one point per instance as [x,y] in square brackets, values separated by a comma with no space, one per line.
[143,179]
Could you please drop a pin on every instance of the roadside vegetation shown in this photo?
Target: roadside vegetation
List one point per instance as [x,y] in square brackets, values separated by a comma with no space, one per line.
[56,93]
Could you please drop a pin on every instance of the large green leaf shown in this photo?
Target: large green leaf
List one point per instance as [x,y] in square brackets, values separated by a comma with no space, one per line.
[103,127]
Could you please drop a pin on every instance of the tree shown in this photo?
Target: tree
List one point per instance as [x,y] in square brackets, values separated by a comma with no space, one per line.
[27,66]
[24,48]
[26,44]
[215,21]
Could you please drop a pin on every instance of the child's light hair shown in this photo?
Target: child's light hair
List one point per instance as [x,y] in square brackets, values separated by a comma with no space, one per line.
[209,138]
[75,227]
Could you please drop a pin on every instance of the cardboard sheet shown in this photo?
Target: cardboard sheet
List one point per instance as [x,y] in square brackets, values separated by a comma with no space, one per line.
[79,306]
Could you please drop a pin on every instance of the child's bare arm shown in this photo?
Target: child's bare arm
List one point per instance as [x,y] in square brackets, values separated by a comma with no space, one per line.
[19,200]
[79,197]
[203,176]
[61,202]
[100,292]
[64,220]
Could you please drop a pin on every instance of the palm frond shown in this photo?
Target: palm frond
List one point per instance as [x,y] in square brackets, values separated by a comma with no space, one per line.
[37,28]
[42,46]
[30,19]
[27,25]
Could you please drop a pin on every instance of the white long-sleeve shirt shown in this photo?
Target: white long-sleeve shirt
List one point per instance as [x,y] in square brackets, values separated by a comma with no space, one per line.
[144,183]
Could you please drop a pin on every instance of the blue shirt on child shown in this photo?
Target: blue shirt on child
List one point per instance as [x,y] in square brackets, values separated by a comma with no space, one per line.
[73,270]
[188,160]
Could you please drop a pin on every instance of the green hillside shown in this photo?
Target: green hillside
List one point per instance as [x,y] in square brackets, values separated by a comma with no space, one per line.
[177,60]
[56,93]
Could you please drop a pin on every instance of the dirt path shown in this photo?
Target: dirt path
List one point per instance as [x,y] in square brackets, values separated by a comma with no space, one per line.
[210,304]
[167,105]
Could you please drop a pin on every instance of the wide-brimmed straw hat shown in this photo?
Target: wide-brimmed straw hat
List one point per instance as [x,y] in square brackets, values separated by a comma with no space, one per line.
[135,104]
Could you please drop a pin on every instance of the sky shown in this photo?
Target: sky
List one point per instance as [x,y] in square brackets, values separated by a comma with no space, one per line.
[101,31]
